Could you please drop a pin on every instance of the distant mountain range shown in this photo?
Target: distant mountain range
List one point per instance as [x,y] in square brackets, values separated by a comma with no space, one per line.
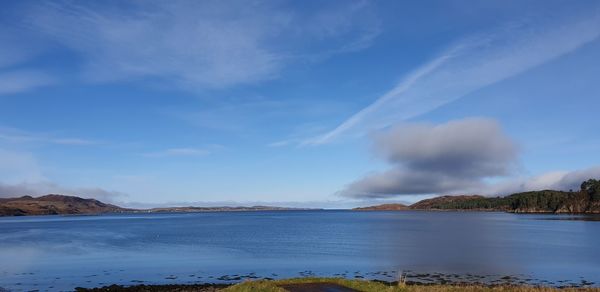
[218,209]
[586,200]
[65,205]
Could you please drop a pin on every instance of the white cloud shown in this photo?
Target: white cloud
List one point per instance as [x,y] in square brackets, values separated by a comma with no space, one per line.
[13,53]
[20,175]
[198,44]
[14,49]
[175,152]
[72,141]
[555,180]
[279,143]
[12,135]
[44,188]
[19,166]
[16,81]
[470,65]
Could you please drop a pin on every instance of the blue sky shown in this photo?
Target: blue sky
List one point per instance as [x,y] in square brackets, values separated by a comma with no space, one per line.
[330,104]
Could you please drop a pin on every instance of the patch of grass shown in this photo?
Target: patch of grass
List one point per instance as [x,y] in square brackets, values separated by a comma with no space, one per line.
[374,286]
[252,286]
[273,286]
[450,288]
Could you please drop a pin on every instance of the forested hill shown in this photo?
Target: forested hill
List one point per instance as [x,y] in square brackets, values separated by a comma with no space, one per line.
[586,200]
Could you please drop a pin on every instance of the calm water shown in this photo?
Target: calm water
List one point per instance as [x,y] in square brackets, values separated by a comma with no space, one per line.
[63,252]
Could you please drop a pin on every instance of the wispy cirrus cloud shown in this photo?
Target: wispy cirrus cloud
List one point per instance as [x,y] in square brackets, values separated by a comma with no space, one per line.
[12,135]
[178,152]
[207,44]
[23,80]
[467,66]
[13,53]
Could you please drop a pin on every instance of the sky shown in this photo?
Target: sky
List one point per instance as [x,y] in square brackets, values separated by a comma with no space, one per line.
[297,103]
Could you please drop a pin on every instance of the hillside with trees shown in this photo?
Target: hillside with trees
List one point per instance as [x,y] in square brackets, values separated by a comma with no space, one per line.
[586,200]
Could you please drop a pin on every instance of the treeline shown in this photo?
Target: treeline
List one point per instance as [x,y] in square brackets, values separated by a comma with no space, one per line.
[586,200]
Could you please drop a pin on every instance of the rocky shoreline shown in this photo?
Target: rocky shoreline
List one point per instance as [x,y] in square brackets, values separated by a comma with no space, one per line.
[389,278]
[157,288]
[437,281]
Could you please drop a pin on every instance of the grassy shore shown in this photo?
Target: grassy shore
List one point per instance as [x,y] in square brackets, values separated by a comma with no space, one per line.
[375,286]
[358,285]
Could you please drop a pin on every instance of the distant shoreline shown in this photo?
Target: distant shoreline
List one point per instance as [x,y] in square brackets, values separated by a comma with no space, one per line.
[584,201]
[71,205]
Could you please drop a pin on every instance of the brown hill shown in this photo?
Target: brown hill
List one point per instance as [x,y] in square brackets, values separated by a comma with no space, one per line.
[441,203]
[54,204]
[384,207]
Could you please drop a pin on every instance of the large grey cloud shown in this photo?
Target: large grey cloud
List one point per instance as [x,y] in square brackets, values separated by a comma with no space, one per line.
[430,159]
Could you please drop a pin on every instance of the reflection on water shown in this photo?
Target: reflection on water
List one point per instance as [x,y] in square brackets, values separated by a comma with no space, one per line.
[62,252]
[582,217]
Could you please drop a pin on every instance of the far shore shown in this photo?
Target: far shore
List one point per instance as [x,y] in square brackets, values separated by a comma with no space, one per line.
[584,201]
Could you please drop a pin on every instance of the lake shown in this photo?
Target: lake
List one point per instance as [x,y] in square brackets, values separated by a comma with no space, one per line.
[63,252]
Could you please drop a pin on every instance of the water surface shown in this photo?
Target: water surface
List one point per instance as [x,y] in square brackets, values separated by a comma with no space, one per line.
[63,252]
